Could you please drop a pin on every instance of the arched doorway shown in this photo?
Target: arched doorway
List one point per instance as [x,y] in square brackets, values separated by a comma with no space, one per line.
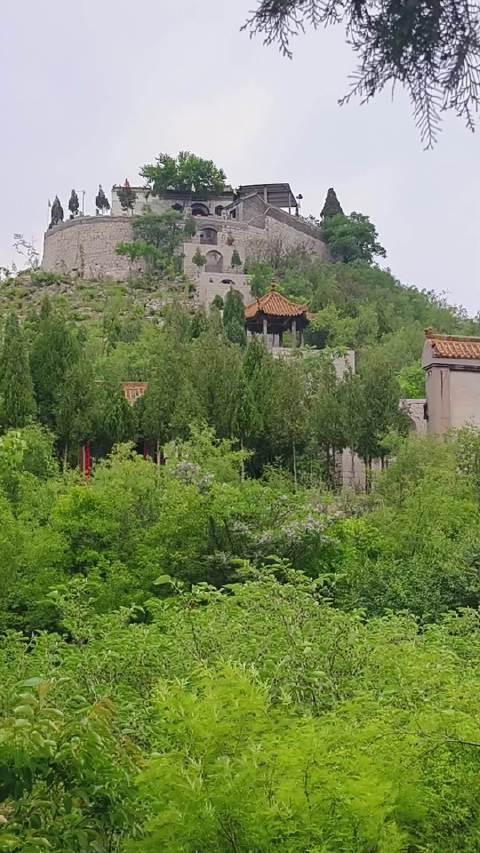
[177,206]
[214,262]
[209,236]
[199,209]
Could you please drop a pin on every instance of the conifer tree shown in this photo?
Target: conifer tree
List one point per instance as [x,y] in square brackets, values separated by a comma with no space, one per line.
[75,408]
[18,404]
[73,205]
[118,418]
[236,259]
[101,201]
[332,206]
[234,317]
[55,350]
[127,197]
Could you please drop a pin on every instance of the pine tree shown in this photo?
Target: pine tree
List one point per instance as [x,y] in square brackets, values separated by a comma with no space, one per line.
[73,205]
[332,206]
[18,404]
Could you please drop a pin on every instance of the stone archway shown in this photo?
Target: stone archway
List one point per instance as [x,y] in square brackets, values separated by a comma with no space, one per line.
[209,236]
[199,209]
[214,261]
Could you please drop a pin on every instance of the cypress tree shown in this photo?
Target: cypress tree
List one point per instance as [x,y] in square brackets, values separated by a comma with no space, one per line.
[101,201]
[332,206]
[18,404]
[236,259]
[234,317]
[73,205]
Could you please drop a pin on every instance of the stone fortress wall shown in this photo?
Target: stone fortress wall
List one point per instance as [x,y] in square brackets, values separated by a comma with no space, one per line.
[85,246]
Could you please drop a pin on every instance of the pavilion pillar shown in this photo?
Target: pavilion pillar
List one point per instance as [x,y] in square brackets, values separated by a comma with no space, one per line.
[302,339]
[294,331]
[265,331]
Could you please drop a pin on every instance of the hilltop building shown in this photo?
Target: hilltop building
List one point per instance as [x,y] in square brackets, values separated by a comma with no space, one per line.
[256,221]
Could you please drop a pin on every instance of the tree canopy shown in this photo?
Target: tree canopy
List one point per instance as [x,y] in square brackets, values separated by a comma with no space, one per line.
[352,238]
[184,173]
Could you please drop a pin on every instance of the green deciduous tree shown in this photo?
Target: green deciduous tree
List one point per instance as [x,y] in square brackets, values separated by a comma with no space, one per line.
[55,350]
[184,173]
[260,277]
[352,238]
[198,259]
[327,418]
[16,388]
[157,238]
[76,404]
[372,410]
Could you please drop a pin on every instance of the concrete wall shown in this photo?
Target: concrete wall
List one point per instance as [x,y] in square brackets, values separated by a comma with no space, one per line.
[86,247]
[464,398]
[453,395]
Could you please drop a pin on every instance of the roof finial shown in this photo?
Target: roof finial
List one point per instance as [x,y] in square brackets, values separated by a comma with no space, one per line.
[273,285]
[429,332]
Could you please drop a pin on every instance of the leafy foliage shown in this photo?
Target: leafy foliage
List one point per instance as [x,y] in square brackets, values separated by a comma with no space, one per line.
[234,317]
[184,173]
[351,238]
[207,645]
[157,238]
[432,50]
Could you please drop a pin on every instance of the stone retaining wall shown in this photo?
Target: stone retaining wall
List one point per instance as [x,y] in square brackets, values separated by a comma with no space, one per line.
[86,247]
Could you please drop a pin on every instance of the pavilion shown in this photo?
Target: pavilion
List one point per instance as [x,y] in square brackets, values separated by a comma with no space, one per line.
[273,314]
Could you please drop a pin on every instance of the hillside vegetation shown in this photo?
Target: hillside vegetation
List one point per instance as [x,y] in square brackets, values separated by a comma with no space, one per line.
[214,648]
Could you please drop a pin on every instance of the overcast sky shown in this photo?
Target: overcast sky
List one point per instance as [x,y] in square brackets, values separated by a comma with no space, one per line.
[92,89]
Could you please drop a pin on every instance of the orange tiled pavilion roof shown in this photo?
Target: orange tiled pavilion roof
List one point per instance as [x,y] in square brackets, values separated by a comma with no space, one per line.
[274,304]
[453,346]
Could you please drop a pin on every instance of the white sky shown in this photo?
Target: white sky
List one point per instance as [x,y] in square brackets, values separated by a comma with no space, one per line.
[92,89]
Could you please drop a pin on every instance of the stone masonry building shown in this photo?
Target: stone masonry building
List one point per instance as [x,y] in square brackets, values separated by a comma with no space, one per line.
[257,220]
